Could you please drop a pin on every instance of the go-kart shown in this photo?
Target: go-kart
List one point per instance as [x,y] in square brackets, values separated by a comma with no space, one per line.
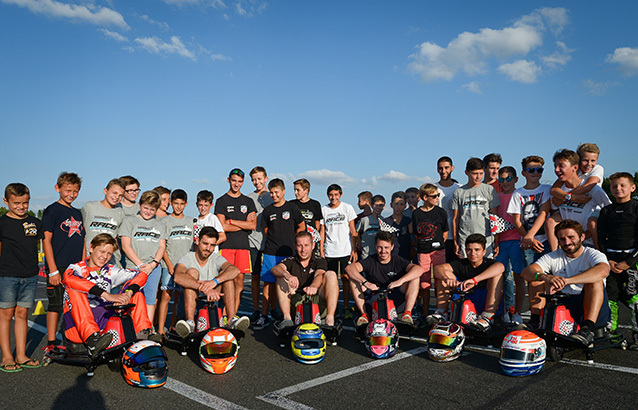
[120,325]
[557,325]
[382,307]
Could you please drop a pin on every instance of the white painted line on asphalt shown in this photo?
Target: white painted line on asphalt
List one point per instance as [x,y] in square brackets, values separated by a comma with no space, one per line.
[603,366]
[279,399]
[200,396]
[42,329]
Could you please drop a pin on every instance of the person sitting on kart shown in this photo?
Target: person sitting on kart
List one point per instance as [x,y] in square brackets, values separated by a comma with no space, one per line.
[474,271]
[206,271]
[307,272]
[385,270]
[576,270]
[87,287]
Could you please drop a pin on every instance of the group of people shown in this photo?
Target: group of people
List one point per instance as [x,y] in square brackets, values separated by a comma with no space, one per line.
[485,234]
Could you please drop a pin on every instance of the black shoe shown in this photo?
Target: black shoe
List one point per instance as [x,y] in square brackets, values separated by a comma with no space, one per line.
[585,336]
[275,315]
[255,317]
[96,343]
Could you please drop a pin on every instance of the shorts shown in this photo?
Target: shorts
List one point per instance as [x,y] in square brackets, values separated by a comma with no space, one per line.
[575,305]
[168,281]
[238,257]
[150,289]
[529,256]
[255,260]
[425,260]
[16,291]
[269,262]
[395,295]
[338,265]
[56,296]
[511,251]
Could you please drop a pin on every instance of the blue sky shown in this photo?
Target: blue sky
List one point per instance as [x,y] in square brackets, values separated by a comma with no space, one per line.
[367,94]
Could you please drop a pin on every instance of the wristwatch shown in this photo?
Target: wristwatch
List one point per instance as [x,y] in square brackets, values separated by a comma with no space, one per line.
[568,197]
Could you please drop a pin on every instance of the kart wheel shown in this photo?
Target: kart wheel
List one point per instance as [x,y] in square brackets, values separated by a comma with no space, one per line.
[115,365]
[554,353]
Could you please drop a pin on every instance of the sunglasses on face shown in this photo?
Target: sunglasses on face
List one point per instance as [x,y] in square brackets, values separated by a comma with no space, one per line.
[508,179]
[433,196]
[532,170]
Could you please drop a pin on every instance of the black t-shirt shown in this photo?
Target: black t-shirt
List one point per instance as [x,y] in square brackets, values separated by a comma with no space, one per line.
[282,224]
[311,212]
[68,233]
[401,232]
[463,270]
[305,275]
[19,238]
[618,230]
[382,274]
[238,209]
[428,228]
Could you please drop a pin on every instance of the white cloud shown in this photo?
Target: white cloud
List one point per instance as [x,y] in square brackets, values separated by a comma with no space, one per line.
[97,15]
[250,7]
[326,176]
[218,4]
[472,87]
[113,35]
[522,71]
[220,57]
[626,58]
[396,176]
[162,25]
[595,88]
[155,45]
[471,53]
[559,57]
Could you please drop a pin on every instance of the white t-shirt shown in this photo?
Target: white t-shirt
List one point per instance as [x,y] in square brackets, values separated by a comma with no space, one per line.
[597,171]
[337,225]
[557,263]
[445,202]
[527,203]
[581,212]
[209,220]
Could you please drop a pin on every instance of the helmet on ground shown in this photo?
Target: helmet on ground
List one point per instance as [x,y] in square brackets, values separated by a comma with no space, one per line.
[218,351]
[308,343]
[446,341]
[522,353]
[144,365]
[382,339]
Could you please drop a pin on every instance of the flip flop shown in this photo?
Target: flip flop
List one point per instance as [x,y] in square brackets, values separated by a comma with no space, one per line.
[14,370]
[32,365]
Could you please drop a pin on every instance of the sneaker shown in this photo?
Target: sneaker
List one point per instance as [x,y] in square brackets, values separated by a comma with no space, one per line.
[348,312]
[481,323]
[436,317]
[585,336]
[46,349]
[255,317]
[96,343]
[239,323]
[149,334]
[261,323]
[363,320]
[184,327]
[275,315]
[286,323]
[516,318]
[407,318]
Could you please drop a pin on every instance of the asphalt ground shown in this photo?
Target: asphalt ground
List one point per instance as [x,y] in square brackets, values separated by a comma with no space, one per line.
[267,376]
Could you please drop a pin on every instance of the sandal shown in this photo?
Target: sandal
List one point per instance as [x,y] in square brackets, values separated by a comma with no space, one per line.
[14,368]
[31,364]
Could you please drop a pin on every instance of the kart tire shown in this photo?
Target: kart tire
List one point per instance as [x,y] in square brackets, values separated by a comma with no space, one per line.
[115,365]
[555,354]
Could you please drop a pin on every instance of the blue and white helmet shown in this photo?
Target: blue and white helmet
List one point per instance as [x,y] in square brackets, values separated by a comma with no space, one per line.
[522,353]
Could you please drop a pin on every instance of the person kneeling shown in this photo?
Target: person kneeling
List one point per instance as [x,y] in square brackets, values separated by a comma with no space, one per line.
[88,286]
[308,272]
[576,270]
[206,271]
[385,270]
[475,271]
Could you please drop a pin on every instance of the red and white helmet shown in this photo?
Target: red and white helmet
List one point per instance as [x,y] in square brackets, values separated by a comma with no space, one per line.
[446,342]
[382,339]
[522,353]
[218,351]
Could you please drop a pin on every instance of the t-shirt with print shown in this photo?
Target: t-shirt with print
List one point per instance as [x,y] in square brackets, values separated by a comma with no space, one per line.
[337,228]
[527,203]
[282,222]
[19,239]
[445,202]
[129,210]
[146,237]
[382,274]
[311,212]
[305,274]
[511,234]
[428,228]
[559,264]
[474,205]
[256,238]
[368,227]
[596,171]
[401,232]
[238,209]
[100,219]
[179,236]
[581,212]
[65,223]
[211,268]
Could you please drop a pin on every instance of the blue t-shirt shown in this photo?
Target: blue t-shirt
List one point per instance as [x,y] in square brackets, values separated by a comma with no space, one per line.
[68,233]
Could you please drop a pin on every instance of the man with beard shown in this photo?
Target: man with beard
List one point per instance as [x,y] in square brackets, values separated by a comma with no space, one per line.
[577,271]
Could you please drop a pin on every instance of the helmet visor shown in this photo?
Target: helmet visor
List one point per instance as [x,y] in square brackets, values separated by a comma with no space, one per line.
[443,340]
[309,344]
[147,355]
[218,350]
[380,340]
[518,355]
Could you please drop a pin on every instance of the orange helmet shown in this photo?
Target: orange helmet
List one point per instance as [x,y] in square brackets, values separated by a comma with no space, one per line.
[218,351]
